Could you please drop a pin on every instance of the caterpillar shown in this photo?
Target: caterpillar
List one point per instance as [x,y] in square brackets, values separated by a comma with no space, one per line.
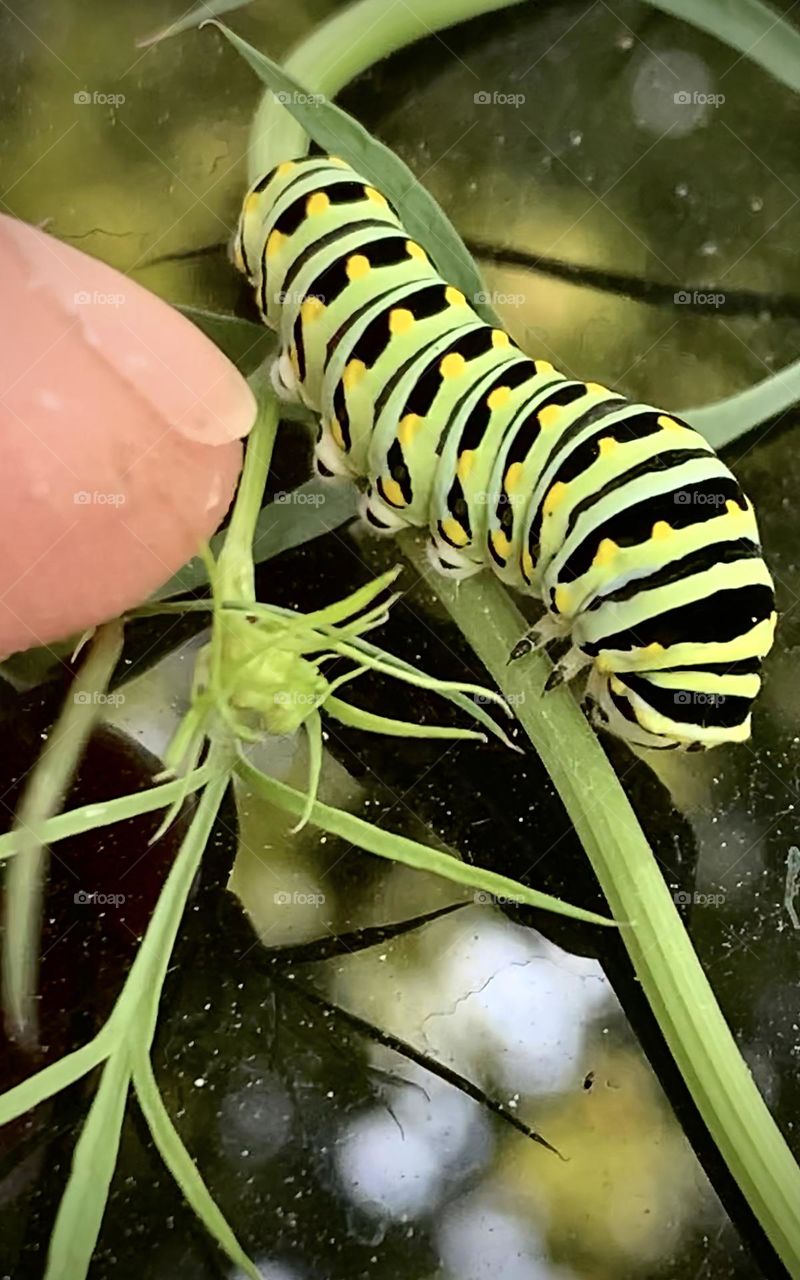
[619,516]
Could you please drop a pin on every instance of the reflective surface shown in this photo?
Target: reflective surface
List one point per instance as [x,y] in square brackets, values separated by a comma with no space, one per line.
[333,1155]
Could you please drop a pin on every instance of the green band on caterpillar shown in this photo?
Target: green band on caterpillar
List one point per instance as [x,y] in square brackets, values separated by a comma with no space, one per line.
[623,521]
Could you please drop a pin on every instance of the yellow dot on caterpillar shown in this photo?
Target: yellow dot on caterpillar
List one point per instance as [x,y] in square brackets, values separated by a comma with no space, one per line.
[465,464]
[669,424]
[336,431]
[500,543]
[375,196]
[293,361]
[603,663]
[452,365]
[454,297]
[562,599]
[408,427]
[393,493]
[661,530]
[284,168]
[596,389]
[605,446]
[316,204]
[543,366]
[549,415]
[338,161]
[400,320]
[454,532]
[497,398]
[527,564]
[617,685]
[311,307]
[513,477]
[251,202]
[733,509]
[653,650]
[274,242]
[353,373]
[500,338]
[554,497]
[357,266]
[605,553]
[415,250]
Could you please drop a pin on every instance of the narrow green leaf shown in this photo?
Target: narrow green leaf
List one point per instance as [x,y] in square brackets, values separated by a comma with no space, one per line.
[89,817]
[55,1077]
[313,730]
[367,721]
[337,132]
[725,420]
[386,844]
[43,796]
[182,1167]
[248,345]
[83,1203]
[194,18]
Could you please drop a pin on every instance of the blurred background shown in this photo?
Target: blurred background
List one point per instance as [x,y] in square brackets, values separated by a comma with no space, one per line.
[632,188]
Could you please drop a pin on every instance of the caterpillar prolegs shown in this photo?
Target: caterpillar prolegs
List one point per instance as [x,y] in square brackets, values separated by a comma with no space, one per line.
[620,517]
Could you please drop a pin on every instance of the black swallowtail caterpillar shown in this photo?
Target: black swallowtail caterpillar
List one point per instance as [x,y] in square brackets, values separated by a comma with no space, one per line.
[637,538]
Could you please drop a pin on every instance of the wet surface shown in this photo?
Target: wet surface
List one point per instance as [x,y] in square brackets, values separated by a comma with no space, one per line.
[332,1154]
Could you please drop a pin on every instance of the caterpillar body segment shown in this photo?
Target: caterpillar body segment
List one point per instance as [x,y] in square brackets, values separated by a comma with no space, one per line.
[620,517]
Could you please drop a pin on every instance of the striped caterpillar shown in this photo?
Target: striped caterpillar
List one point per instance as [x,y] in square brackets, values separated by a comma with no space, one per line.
[620,517]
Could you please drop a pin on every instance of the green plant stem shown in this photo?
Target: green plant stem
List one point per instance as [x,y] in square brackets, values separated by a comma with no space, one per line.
[236,563]
[666,964]
[43,796]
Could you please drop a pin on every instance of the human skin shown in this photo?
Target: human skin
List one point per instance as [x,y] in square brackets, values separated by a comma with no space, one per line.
[120,439]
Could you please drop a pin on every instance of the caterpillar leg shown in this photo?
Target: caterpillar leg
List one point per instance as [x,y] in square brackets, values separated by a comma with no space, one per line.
[546,630]
[566,668]
[378,516]
[450,562]
[284,378]
[330,461]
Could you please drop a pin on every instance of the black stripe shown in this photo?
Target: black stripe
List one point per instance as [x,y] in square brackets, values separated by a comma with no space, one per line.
[347,192]
[634,524]
[685,706]
[365,224]
[588,451]
[471,345]
[716,619]
[423,302]
[477,422]
[697,561]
